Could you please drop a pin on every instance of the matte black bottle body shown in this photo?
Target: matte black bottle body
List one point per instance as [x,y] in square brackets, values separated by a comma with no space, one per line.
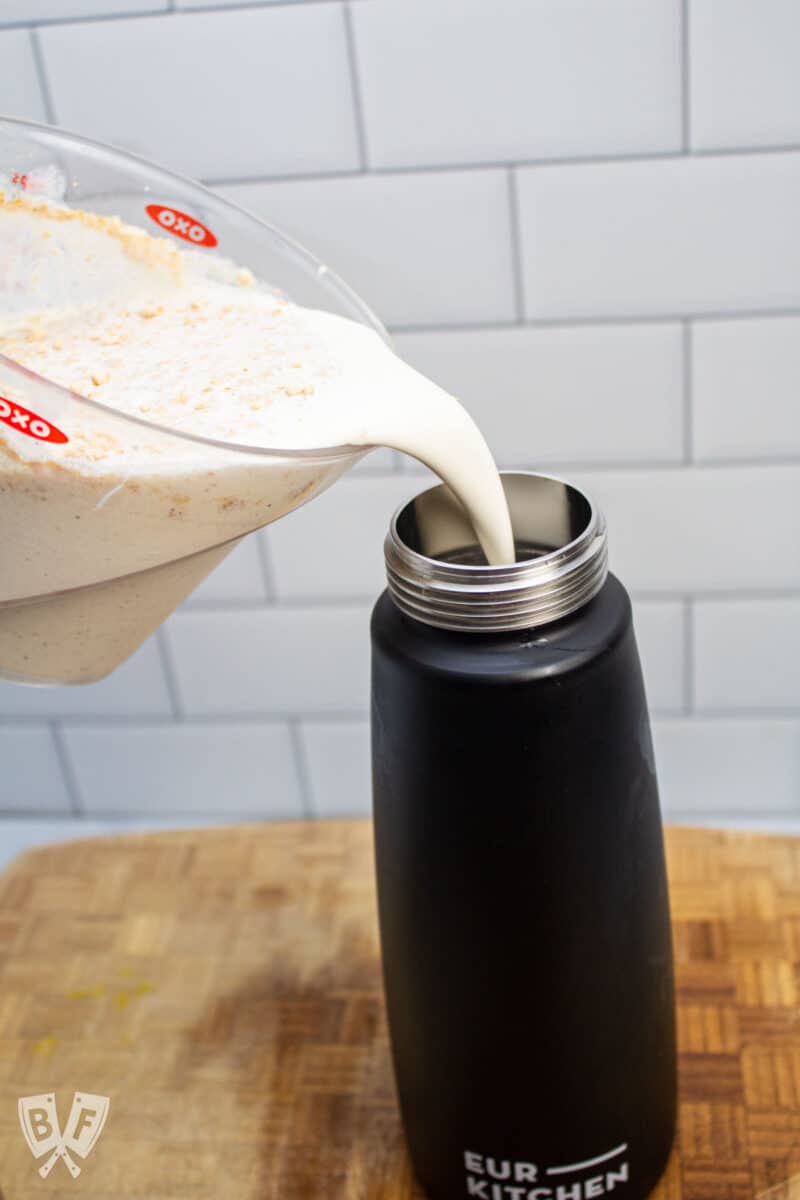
[523,905]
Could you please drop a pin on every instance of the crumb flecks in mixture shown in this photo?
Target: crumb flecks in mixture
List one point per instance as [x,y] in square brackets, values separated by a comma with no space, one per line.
[135,243]
[203,366]
[184,341]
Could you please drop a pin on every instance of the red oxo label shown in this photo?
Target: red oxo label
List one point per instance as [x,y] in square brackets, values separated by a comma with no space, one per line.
[177,222]
[27,422]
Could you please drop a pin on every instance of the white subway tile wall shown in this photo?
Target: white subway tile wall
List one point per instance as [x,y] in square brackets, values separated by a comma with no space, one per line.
[22,11]
[32,776]
[746,389]
[271,660]
[338,764]
[214,94]
[496,82]
[745,73]
[242,576]
[662,629]
[714,766]
[333,549]
[422,248]
[580,218]
[748,654]
[137,689]
[664,237]
[702,529]
[20,91]
[582,394]
[240,769]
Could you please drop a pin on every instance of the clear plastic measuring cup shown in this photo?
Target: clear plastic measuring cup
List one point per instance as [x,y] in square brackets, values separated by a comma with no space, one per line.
[91,561]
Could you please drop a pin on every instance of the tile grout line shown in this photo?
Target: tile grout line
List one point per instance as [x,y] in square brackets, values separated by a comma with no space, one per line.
[67,769]
[264,552]
[542,161]
[729,151]
[244,5]
[133,820]
[686,80]
[515,229]
[313,602]
[434,168]
[261,720]
[301,766]
[141,721]
[770,820]
[44,815]
[42,77]
[355,85]
[688,657]
[687,347]
[699,716]
[170,674]
[187,822]
[593,321]
[676,462]
[144,10]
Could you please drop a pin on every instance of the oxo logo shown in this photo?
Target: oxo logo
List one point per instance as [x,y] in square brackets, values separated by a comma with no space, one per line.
[27,422]
[182,226]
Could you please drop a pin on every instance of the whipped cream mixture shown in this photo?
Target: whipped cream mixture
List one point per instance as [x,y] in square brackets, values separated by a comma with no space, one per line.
[184,340]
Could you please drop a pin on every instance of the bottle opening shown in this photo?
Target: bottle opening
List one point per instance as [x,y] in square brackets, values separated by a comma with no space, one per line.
[438,574]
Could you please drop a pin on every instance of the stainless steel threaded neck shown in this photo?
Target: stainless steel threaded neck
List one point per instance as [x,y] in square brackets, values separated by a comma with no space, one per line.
[438,575]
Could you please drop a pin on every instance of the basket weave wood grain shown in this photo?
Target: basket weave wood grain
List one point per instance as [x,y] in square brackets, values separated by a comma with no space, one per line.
[223,988]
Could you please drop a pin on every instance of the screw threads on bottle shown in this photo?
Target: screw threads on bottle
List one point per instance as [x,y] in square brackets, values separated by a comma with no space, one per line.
[437,575]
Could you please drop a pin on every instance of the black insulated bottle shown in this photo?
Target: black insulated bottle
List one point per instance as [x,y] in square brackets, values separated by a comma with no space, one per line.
[521,881]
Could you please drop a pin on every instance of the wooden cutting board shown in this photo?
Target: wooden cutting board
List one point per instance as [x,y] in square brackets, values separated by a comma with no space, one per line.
[222,987]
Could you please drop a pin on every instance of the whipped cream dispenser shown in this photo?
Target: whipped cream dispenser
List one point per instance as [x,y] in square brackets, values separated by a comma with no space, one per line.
[521,880]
